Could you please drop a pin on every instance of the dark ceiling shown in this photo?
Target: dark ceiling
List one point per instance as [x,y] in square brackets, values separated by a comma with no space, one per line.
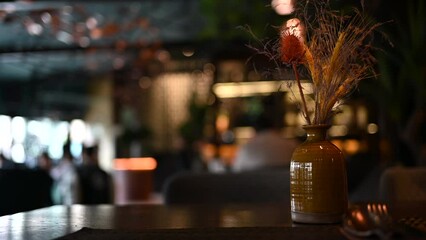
[42,38]
[50,49]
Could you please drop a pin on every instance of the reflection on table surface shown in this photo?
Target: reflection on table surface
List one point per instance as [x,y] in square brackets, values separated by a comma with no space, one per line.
[56,221]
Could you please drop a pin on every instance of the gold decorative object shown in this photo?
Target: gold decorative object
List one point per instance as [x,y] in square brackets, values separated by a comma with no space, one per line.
[318,183]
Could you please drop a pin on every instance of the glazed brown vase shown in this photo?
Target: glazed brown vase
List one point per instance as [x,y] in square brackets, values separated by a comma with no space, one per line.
[318,181]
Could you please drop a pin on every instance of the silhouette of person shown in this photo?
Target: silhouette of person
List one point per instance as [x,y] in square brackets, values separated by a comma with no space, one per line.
[268,148]
[66,182]
[44,162]
[95,182]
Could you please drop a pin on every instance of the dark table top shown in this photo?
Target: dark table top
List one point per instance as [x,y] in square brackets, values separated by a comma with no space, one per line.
[56,221]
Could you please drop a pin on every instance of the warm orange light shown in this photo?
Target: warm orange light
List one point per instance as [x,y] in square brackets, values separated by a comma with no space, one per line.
[352,146]
[222,123]
[227,153]
[359,216]
[96,33]
[208,151]
[146,163]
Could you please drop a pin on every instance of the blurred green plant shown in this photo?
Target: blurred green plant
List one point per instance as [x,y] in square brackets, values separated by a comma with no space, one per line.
[192,129]
[400,90]
[403,69]
[224,17]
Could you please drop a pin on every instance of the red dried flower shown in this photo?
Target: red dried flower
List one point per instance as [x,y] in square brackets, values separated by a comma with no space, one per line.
[291,50]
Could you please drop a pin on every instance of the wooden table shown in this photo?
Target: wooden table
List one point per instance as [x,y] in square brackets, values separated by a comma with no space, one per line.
[57,221]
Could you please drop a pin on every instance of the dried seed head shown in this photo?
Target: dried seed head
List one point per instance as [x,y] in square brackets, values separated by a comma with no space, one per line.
[292,50]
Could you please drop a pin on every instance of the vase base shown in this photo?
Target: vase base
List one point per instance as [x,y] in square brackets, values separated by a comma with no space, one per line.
[316,218]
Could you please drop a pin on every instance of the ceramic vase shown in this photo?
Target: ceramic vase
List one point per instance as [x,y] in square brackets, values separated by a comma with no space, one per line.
[318,180]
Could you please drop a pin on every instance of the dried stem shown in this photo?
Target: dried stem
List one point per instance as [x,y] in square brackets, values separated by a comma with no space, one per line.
[299,85]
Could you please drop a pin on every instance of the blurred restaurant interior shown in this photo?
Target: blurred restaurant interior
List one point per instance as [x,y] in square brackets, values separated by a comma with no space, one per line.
[162,87]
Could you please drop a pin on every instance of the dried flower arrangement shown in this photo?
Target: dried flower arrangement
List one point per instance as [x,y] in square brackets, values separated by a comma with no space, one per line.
[336,51]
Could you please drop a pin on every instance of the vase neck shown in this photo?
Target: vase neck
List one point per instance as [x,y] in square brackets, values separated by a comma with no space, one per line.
[316,132]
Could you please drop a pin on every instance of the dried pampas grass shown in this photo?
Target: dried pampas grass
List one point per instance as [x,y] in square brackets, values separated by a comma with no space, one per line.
[337,53]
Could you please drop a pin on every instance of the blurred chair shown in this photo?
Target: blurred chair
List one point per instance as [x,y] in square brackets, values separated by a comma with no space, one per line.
[263,186]
[23,190]
[400,184]
[96,185]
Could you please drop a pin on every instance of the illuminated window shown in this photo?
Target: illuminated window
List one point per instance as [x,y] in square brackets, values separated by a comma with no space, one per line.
[18,127]
[5,134]
[18,153]
[77,131]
